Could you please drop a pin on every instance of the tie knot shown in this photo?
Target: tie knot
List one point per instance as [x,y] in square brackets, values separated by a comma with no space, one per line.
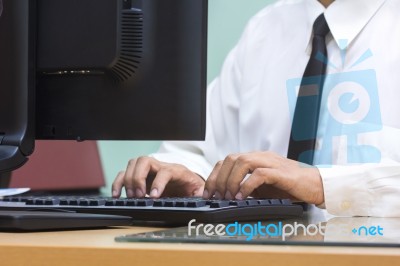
[320,26]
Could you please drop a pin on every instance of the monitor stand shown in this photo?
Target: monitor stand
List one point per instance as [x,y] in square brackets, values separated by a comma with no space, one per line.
[5,179]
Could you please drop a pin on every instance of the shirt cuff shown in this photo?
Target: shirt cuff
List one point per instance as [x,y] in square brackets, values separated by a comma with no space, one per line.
[362,190]
[341,191]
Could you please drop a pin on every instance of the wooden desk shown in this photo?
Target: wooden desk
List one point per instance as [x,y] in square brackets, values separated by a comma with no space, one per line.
[97,247]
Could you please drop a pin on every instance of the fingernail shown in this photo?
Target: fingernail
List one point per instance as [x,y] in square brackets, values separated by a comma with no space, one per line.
[239,196]
[205,194]
[139,193]
[115,193]
[228,195]
[218,195]
[129,193]
[154,193]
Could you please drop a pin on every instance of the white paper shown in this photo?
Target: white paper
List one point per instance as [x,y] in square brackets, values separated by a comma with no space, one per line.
[12,191]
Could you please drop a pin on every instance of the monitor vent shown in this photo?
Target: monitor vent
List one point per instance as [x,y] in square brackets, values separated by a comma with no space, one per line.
[131,45]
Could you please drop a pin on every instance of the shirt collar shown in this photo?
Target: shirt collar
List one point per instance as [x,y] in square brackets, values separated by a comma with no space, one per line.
[346,18]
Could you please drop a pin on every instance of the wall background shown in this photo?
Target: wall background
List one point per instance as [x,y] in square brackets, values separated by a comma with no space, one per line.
[227,19]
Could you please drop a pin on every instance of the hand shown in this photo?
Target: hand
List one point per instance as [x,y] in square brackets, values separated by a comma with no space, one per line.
[270,176]
[148,175]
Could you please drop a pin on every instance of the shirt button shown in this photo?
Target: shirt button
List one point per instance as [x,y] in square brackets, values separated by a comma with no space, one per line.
[318,144]
[345,205]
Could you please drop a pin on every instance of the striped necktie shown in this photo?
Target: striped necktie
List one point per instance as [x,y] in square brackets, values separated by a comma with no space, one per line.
[305,119]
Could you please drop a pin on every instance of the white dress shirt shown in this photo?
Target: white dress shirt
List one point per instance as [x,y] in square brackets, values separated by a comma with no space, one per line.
[250,108]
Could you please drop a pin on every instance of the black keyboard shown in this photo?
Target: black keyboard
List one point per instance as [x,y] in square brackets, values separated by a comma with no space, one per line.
[177,211]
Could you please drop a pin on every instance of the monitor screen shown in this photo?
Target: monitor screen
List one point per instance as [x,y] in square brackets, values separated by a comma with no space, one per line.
[100,70]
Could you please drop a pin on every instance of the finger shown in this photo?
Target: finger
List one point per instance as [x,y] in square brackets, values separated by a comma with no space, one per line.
[224,174]
[144,166]
[118,184]
[128,178]
[161,180]
[210,186]
[259,177]
[242,167]
[198,192]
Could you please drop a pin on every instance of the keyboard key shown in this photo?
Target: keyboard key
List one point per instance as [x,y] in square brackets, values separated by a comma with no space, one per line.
[219,203]
[275,202]
[83,202]
[120,202]
[238,203]
[95,202]
[30,202]
[39,202]
[181,203]
[196,203]
[252,202]
[51,202]
[158,203]
[131,202]
[286,201]
[209,201]
[110,203]
[145,202]
[169,203]
[264,202]
[64,202]
[73,202]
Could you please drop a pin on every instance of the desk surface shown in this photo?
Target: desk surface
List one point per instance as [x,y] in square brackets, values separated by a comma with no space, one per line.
[97,247]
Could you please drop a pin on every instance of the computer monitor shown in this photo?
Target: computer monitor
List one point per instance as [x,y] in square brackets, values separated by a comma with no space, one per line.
[100,70]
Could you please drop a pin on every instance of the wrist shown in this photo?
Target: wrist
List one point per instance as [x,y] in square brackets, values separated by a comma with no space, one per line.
[318,198]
